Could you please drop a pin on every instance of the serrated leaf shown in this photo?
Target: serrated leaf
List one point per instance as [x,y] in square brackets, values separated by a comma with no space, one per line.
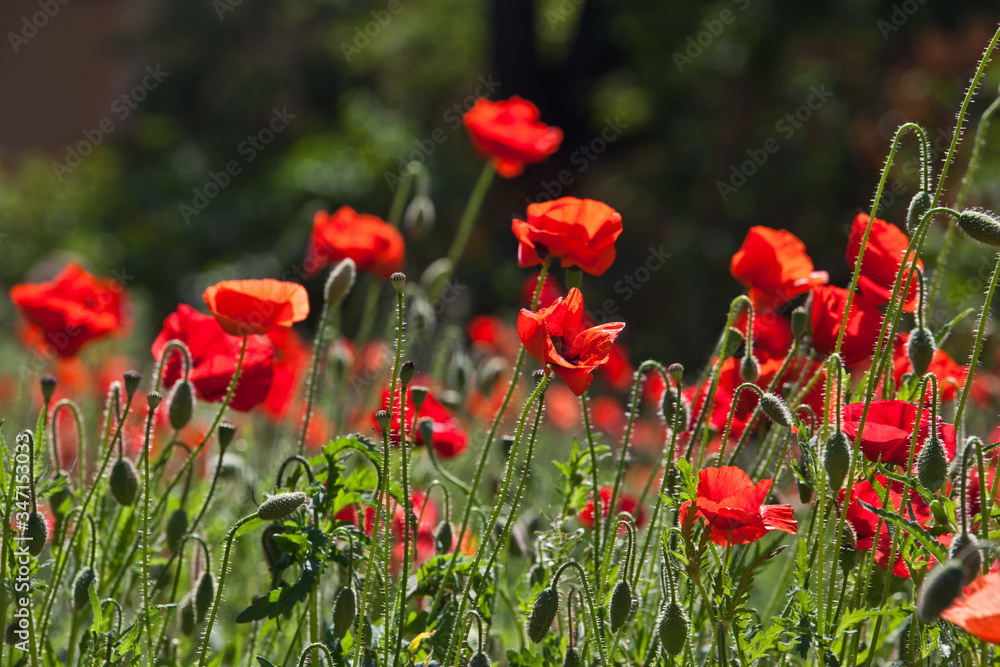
[911,527]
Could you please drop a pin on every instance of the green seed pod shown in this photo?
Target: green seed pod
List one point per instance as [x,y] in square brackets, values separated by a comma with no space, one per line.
[800,322]
[965,546]
[480,660]
[204,594]
[181,404]
[124,482]
[177,528]
[398,280]
[340,281]
[444,536]
[932,464]
[187,619]
[676,372]
[132,380]
[622,604]
[153,399]
[226,431]
[733,343]
[418,394]
[673,629]
[37,532]
[920,348]
[749,370]
[837,459]
[383,420]
[406,372]
[48,386]
[542,614]
[81,587]
[572,658]
[344,611]
[942,586]
[980,226]
[281,506]
[775,408]
[919,205]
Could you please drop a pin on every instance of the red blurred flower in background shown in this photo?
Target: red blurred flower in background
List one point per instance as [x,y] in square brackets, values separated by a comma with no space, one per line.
[244,307]
[580,232]
[449,439]
[733,507]
[978,611]
[72,309]
[291,361]
[626,503]
[950,375]
[551,290]
[555,336]
[510,133]
[889,429]
[863,324]
[373,244]
[774,265]
[883,253]
[214,354]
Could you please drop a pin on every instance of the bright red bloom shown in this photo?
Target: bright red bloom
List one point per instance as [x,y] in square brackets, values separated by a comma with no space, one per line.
[863,324]
[772,332]
[773,263]
[949,374]
[626,503]
[733,507]
[373,244]
[449,439]
[889,429]
[72,309]
[978,611]
[580,232]
[291,360]
[608,416]
[245,307]
[884,251]
[510,134]
[214,354]
[618,370]
[555,336]
[551,290]
[493,335]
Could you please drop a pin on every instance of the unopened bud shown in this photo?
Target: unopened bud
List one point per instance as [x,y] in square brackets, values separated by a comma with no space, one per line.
[733,343]
[344,611]
[37,532]
[749,370]
[444,536]
[340,281]
[800,322]
[281,506]
[124,482]
[837,459]
[673,629]
[177,527]
[81,587]
[919,205]
[420,215]
[622,605]
[920,348]
[980,226]
[204,594]
[932,464]
[490,373]
[542,614]
[776,409]
[572,658]
[406,373]
[480,659]
[848,549]
[187,619]
[965,546]
[942,586]
[181,404]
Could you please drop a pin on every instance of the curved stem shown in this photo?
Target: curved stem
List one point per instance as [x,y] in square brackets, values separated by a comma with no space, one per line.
[595,620]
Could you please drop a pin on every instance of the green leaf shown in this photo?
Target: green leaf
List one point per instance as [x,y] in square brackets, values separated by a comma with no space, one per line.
[913,528]
[95,605]
[942,335]
[264,662]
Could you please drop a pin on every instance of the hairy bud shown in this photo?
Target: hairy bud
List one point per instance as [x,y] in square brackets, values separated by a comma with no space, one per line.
[932,464]
[980,226]
[281,506]
[181,405]
[177,527]
[965,547]
[837,459]
[776,409]
[673,629]
[542,614]
[920,348]
[344,611]
[919,205]
[203,595]
[942,586]
[622,605]
[124,482]
[81,587]
[340,281]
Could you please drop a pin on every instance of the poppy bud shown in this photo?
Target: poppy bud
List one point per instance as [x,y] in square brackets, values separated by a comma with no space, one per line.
[187,619]
[203,595]
[124,482]
[622,604]
[153,399]
[572,658]
[848,549]
[132,380]
[537,575]
[61,500]
[980,226]
[226,431]
[398,280]
[800,322]
[10,634]
[942,586]
[340,281]
[37,532]
[281,506]
[81,587]
[670,402]
[873,596]
[344,611]
[181,404]
[733,343]
[941,517]
[776,409]
[438,271]
[919,205]
[805,482]
[920,348]
[444,536]
[966,547]
[460,372]
[673,629]
[426,430]
[48,386]
[932,464]
[837,459]
[491,373]
[749,370]
[382,420]
[542,614]
[676,372]
[177,528]
[420,215]
[574,278]
[418,394]
[406,373]
[480,660]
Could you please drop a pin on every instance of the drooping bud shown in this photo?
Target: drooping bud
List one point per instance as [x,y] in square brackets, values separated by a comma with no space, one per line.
[776,409]
[676,372]
[980,226]
[837,459]
[37,533]
[340,281]
[398,280]
[480,659]
[965,547]
[132,380]
[574,278]
[444,536]
[203,595]
[81,587]
[418,394]
[542,614]
[622,605]
[153,399]
[848,549]
[420,215]
[920,348]
[437,272]
[749,370]
[942,586]
[344,611]
[406,371]
[919,205]
[932,464]
[281,506]
[425,428]
[383,420]
[48,386]
[177,527]
[671,400]
[673,629]
[181,404]
[187,619]
[733,343]
[800,322]
[124,482]
[572,658]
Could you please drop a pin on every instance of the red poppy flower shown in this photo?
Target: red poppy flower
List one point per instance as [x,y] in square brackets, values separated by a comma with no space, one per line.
[373,244]
[510,134]
[863,324]
[864,521]
[291,360]
[608,416]
[949,374]
[618,370]
[884,251]
[551,290]
[245,307]
[493,335]
[626,503]
[978,611]
[889,429]
[773,263]
[580,232]
[733,507]
[71,309]
[562,408]
[214,354]
[555,336]
[973,503]
[772,332]
[449,439]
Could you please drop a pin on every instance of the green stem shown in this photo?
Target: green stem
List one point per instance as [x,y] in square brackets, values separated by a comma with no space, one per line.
[465,225]
[596,494]
[145,539]
[980,332]
[318,353]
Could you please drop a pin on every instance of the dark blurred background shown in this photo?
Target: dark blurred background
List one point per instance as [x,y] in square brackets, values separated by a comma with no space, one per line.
[117,114]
